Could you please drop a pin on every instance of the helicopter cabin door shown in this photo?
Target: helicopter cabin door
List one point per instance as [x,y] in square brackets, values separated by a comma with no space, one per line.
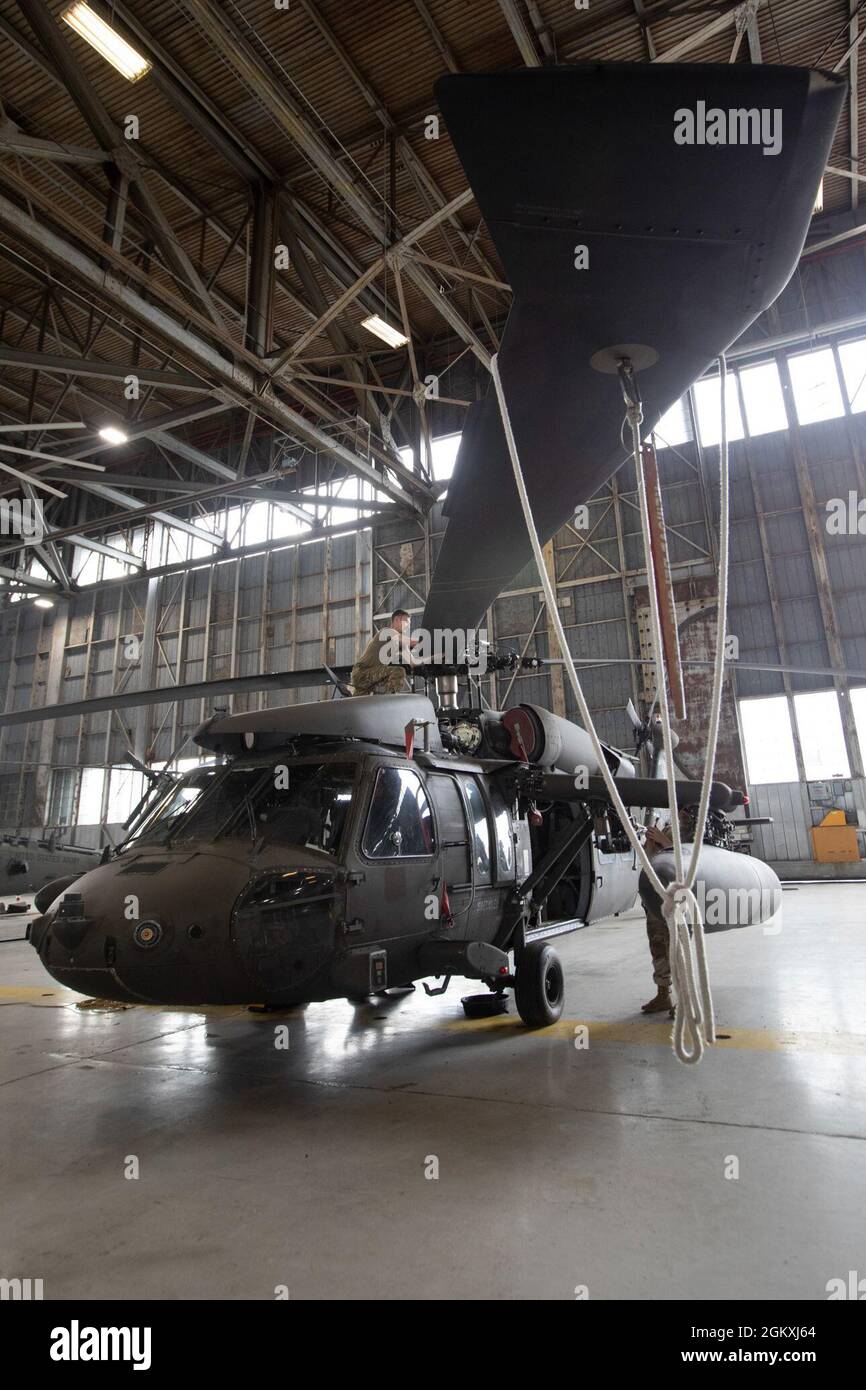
[454,847]
[399,854]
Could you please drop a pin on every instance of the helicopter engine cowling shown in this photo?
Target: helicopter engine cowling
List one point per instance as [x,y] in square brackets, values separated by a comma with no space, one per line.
[538,736]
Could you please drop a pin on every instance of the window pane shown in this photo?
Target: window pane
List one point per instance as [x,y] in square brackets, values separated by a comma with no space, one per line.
[444,453]
[90,796]
[62,796]
[853,359]
[768,740]
[256,525]
[399,821]
[480,830]
[125,790]
[820,727]
[816,386]
[673,428]
[762,395]
[708,402]
[85,566]
[305,805]
[504,838]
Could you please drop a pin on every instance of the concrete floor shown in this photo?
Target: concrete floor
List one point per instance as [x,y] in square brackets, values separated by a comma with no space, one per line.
[558,1167]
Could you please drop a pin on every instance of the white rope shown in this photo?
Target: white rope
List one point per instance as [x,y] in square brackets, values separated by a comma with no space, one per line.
[693,1022]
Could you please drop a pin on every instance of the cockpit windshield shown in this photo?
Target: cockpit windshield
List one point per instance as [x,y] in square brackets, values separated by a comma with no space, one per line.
[298,804]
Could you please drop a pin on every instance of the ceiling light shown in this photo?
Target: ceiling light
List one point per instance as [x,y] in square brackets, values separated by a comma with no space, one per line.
[392,336]
[107,42]
[819,199]
[112,435]
[43,603]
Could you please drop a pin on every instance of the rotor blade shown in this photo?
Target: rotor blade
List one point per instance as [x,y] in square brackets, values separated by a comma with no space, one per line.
[626,244]
[200,690]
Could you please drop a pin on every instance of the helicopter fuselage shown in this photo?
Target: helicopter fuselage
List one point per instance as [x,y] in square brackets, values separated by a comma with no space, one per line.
[286,879]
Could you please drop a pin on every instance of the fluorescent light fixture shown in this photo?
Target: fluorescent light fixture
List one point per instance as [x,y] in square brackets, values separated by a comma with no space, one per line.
[112,435]
[392,336]
[819,199]
[107,42]
[43,603]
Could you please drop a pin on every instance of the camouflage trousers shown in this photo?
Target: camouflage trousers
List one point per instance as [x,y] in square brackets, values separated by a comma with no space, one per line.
[657,934]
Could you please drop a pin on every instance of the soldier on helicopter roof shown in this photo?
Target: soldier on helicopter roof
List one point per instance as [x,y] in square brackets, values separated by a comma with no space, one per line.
[373,675]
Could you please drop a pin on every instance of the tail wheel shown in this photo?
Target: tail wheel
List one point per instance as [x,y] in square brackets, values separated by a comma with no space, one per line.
[539,990]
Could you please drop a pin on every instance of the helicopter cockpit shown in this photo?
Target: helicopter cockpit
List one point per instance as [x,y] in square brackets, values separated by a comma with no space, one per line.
[305,803]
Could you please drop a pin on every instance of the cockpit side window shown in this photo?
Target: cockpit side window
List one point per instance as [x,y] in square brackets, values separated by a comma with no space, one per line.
[399,821]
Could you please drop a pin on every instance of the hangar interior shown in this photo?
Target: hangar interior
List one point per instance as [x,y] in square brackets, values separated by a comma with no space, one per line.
[191,255]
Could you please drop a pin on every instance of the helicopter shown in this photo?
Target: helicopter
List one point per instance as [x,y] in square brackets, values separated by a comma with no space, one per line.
[349,846]
[345,847]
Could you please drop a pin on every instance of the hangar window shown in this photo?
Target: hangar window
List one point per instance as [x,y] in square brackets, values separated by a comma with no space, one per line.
[763,399]
[673,428]
[816,386]
[62,796]
[90,796]
[708,407]
[768,741]
[125,790]
[399,821]
[444,452]
[853,359]
[819,724]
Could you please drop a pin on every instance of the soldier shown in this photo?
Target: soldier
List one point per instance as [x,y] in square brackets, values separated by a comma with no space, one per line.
[373,676]
[658,937]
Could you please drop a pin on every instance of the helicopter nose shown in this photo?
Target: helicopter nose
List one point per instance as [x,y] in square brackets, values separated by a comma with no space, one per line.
[155,929]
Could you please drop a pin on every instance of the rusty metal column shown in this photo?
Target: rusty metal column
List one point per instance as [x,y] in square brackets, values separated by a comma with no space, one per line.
[557,683]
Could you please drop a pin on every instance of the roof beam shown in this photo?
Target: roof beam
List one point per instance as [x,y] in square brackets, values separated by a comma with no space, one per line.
[700,36]
[106,371]
[445,52]
[282,105]
[12,141]
[520,33]
[403,147]
[110,138]
[240,383]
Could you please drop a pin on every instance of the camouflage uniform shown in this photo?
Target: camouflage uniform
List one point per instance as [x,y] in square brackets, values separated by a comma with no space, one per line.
[658,935]
[372,676]
[659,940]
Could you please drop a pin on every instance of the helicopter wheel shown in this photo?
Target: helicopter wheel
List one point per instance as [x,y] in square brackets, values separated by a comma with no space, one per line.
[485,1005]
[539,989]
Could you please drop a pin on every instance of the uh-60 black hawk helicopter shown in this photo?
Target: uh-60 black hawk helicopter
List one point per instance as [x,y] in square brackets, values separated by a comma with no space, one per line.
[357,844]
[353,845]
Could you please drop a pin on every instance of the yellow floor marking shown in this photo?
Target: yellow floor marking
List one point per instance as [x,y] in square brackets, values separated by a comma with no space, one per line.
[641,1033]
[635,1033]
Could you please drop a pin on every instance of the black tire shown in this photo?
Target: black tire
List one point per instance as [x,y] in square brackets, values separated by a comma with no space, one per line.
[539,989]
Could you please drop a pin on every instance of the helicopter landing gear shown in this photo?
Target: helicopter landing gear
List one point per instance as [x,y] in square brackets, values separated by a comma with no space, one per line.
[485,1005]
[539,990]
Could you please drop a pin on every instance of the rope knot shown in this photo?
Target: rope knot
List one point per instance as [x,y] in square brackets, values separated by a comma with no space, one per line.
[678,903]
